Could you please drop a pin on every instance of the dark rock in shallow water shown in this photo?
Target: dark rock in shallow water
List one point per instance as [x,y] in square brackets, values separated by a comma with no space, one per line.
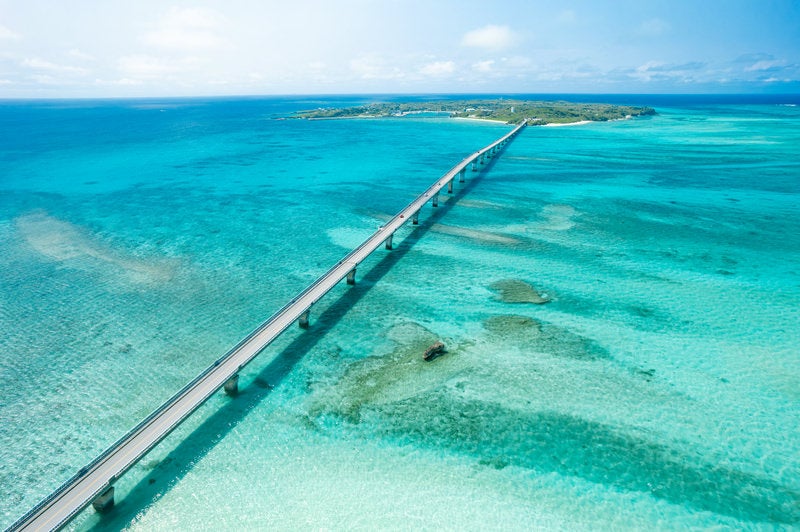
[648,374]
[386,377]
[433,351]
[516,291]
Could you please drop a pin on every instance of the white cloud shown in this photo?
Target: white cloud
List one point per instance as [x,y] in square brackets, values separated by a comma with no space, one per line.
[144,67]
[6,33]
[517,62]
[766,64]
[318,72]
[566,71]
[45,79]
[658,71]
[650,71]
[502,68]
[491,37]
[187,29]
[122,82]
[653,27]
[483,66]
[6,82]
[40,64]
[550,75]
[172,47]
[646,71]
[77,54]
[438,68]
[373,66]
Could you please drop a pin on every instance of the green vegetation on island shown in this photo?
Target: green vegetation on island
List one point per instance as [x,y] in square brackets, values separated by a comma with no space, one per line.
[503,110]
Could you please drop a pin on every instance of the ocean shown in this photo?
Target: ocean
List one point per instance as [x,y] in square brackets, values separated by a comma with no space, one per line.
[620,303]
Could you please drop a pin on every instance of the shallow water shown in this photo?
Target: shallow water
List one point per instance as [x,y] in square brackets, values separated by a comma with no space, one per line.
[619,303]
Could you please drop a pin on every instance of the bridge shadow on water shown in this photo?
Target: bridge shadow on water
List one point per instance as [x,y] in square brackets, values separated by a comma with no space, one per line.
[205,437]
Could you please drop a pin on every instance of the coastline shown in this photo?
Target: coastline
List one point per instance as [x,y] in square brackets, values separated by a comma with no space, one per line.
[471,119]
[361,117]
[501,111]
[579,123]
[476,119]
[342,117]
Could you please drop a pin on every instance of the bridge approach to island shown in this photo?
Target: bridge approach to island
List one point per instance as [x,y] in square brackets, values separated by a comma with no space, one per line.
[94,483]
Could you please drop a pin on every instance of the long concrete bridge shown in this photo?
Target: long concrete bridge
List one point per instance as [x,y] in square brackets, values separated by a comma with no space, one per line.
[94,483]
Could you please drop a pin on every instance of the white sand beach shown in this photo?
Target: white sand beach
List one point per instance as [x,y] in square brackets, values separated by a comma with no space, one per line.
[475,119]
[582,122]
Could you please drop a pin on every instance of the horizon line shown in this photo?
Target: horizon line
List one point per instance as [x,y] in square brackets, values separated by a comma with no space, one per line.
[393,94]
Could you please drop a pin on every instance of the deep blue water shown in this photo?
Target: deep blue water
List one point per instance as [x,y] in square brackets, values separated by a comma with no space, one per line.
[657,389]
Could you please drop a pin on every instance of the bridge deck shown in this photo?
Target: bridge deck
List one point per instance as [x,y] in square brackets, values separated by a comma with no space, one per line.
[92,480]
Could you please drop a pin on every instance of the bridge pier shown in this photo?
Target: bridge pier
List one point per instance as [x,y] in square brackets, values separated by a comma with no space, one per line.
[483,158]
[231,386]
[475,164]
[461,175]
[105,501]
[303,321]
[436,200]
[415,218]
[389,242]
[450,187]
[351,277]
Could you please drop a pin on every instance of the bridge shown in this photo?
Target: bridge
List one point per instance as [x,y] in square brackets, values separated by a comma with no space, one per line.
[94,483]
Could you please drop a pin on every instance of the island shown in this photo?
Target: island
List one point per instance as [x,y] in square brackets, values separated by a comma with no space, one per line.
[500,110]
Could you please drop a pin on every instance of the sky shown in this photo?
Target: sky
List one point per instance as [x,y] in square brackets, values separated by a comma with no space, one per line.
[134,48]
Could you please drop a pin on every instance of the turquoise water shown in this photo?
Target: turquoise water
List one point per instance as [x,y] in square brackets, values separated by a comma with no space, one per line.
[658,388]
